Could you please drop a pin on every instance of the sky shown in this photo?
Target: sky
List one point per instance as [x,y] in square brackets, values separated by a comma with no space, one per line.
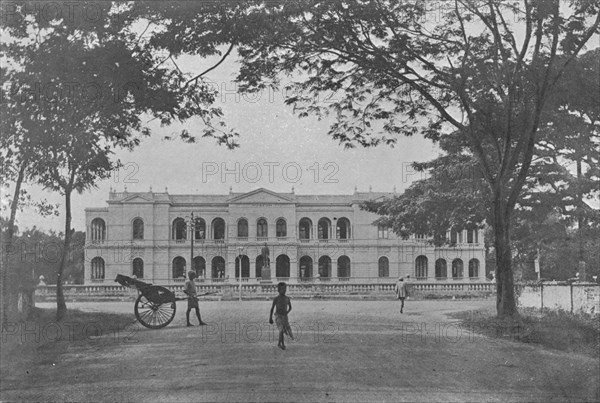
[277,151]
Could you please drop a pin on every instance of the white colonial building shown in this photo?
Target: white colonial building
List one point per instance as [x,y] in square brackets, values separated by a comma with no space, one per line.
[310,238]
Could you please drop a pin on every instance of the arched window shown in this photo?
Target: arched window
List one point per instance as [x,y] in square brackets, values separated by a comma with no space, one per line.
[179,267]
[384,267]
[342,229]
[200,266]
[218,267]
[138,228]
[245,266]
[97,268]
[305,228]
[179,229]
[282,266]
[98,230]
[473,268]
[281,228]
[441,268]
[343,269]
[306,267]
[262,231]
[421,267]
[456,236]
[323,228]
[383,231]
[324,266]
[242,228]
[138,267]
[259,265]
[199,229]
[218,225]
[457,268]
[472,235]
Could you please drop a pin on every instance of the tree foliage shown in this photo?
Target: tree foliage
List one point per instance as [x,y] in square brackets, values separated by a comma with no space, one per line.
[485,69]
[555,196]
[77,88]
[37,253]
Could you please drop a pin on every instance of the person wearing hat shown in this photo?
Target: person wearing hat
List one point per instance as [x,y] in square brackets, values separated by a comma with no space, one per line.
[401,292]
[190,290]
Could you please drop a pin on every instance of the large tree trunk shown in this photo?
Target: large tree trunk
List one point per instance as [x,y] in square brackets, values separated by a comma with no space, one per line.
[505,293]
[9,289]
[61,306]
[580,224]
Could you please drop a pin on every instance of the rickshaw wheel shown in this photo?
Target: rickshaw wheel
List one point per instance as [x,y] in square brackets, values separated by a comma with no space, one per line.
[154,315]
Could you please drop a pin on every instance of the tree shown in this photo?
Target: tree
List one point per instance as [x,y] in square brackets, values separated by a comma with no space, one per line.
[17,150]
[453,195]
[37,253]
[486,69]
[78,89]
[569,147]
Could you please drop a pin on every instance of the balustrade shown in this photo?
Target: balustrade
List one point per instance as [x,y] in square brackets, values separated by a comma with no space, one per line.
[335,286]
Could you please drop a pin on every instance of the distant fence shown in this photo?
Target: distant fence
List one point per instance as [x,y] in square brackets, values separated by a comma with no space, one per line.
[314,289]
[575,297]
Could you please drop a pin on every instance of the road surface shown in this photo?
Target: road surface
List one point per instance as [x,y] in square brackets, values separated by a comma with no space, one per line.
[344,351]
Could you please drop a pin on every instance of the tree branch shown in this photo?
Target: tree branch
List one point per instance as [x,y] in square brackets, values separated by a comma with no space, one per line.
[211,68]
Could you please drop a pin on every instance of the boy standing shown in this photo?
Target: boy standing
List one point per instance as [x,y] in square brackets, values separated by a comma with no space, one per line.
[190,289]
[284,306]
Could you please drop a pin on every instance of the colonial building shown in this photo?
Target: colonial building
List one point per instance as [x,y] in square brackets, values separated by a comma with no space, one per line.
[309,238]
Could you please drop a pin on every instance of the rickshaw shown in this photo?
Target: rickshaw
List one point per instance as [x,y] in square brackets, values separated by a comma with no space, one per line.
[155,306]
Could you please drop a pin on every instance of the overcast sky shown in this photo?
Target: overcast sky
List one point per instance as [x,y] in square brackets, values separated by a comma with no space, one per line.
[308,159]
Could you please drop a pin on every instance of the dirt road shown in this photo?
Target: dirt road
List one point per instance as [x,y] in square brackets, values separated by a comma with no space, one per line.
[344,351]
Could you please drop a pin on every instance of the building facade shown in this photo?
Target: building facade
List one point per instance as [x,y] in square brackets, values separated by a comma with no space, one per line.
[308,237]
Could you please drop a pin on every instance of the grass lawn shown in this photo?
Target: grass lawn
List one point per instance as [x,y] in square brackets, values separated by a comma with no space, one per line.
[558,330]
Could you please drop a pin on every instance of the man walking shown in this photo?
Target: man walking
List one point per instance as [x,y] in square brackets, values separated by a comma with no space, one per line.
[401,292]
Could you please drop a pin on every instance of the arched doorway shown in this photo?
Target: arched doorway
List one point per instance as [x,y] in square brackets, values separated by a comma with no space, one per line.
[138,267]
[199,266]
[259,265]
[441,269]
[179,267]
[343,269]
[218,267]
[421,268]
[306,267]
[282,266]
[245,266]
[384,267]
[324,267]
[457,268]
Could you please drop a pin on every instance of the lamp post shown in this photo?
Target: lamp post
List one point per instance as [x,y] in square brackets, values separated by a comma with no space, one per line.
[240,250]
[192,227]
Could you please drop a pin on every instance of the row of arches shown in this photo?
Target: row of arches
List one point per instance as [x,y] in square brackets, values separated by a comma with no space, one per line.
[179,228]
[305,229]
[282,267]
[441,268]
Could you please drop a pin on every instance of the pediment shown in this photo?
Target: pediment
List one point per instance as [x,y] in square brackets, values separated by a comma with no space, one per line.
[261,196]
[137,198]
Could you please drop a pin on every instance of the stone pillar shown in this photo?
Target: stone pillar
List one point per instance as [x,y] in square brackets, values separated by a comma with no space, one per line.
[334,268]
